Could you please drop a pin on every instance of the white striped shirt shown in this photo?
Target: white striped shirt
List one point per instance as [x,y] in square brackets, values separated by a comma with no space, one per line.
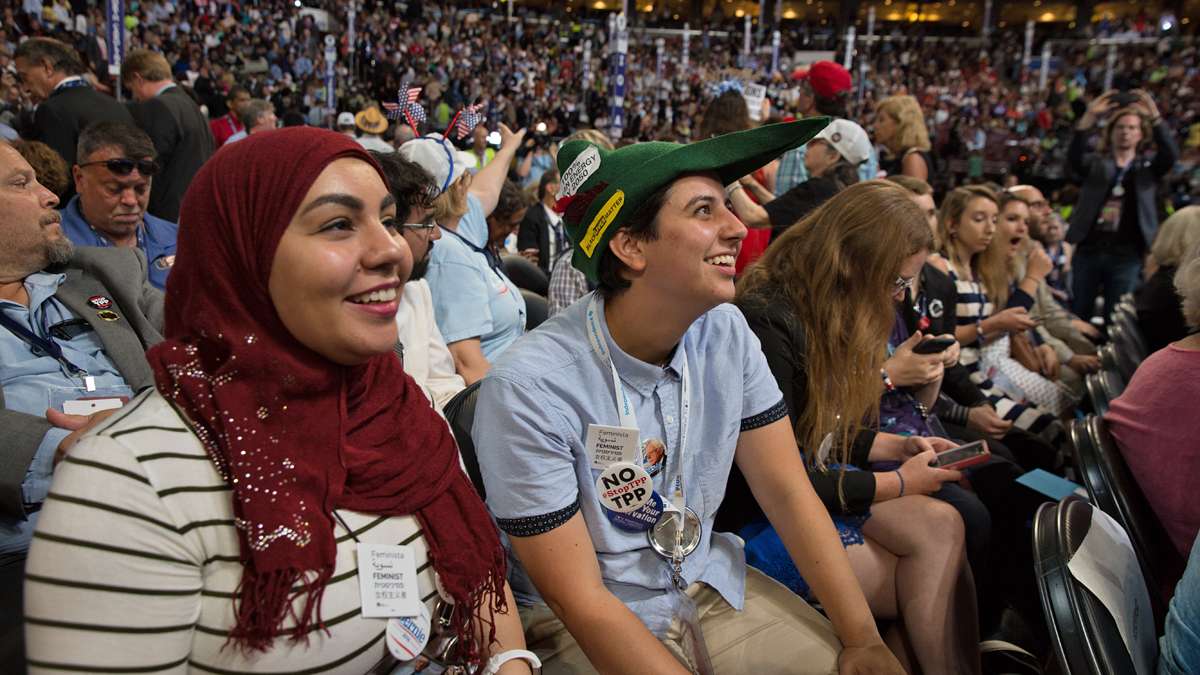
[136,559]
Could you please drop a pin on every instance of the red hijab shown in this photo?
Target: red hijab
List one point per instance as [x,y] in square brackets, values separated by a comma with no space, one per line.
[294,434]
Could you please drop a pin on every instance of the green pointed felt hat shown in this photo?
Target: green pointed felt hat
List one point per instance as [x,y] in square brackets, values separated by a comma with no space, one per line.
[599,190]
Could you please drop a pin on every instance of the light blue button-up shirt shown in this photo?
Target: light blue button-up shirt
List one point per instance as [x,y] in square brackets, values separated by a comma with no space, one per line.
[531,423]
[29,382]
[156,238]
[470,299]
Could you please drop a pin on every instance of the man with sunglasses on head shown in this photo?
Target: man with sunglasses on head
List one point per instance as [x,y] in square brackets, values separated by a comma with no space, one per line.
[420,344]
[113,178]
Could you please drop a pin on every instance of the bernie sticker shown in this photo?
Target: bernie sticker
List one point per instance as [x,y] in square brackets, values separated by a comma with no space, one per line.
[624,487]
[99,302]
[581,169]
[604,217]
[407,635]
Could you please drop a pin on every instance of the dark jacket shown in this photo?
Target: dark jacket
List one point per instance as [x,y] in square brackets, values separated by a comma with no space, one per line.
[783,344]
[183,142]
[535,233]
[792,206]
[937,302]
[120,274]
[1098,172]
[1160,310]
[68,111]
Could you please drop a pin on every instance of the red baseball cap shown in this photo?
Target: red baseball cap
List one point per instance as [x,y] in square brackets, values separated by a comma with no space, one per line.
[826,78]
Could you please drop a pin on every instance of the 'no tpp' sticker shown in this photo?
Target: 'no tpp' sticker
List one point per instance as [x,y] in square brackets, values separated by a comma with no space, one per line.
[624,487]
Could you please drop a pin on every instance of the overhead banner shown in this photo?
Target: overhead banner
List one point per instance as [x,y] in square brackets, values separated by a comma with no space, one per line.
[117,40]
[617,116]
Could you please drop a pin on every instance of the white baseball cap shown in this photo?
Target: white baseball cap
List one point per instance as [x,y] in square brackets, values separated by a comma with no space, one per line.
[849,139]
[444,162]
[345,119]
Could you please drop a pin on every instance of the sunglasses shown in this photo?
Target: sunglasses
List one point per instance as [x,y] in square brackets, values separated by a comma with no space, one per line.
[123,166]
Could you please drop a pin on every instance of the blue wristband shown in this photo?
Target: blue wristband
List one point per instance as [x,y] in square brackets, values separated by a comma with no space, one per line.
[901,477]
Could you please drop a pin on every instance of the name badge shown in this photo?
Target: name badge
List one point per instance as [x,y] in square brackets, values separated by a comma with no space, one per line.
[387,579]
[608,445]
[89,406]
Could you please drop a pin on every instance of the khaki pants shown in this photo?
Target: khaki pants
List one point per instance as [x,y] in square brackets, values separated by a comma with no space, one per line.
[777,632]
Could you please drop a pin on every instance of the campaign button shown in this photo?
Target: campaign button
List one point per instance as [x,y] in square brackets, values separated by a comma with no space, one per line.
[99,302]
[641,520]
[624,487]
[407,635]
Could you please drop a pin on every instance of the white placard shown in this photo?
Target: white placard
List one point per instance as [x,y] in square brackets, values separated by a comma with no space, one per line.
[387,579]
[608,445]
[1107,566]
[754,95]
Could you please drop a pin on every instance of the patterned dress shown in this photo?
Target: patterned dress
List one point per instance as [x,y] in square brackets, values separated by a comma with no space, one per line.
[1002,391]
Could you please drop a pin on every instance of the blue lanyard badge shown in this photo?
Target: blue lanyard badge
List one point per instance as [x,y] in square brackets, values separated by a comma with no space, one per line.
[41,346]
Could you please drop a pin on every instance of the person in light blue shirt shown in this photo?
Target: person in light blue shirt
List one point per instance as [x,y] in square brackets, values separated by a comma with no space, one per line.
[792,171]
[620,418]
[479,310]
[113,179]
[1180,645]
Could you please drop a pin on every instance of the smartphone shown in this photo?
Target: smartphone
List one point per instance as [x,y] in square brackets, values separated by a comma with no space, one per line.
[962,457]
[935,345]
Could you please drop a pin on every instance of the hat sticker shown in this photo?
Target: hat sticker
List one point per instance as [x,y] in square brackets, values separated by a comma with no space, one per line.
[581,169]
[604,217]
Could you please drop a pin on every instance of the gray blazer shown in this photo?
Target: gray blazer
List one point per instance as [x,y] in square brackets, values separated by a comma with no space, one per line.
[119,274]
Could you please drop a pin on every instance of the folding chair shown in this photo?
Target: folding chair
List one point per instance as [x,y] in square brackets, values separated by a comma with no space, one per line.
[1084,634]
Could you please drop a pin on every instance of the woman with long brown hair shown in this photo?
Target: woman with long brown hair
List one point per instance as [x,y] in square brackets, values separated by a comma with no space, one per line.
[821,302]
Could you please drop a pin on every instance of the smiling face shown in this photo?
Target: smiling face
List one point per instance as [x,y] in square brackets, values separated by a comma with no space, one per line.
[1013,226]
[29,225]
[975,229]
[340,265]
[691,261]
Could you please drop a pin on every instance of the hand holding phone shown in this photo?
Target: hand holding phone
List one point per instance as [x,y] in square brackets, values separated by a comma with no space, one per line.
[963,456]
[935,345]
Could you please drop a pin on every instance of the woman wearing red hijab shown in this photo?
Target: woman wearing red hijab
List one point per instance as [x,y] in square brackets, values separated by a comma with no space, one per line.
[220,522]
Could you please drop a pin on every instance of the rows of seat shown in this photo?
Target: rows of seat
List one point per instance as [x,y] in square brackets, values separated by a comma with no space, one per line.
[1085,635]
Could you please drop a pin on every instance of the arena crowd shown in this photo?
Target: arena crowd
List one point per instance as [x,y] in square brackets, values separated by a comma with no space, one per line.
[411,360]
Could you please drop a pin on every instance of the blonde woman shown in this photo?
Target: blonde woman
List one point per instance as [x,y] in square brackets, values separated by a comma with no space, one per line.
[967,225]
[900,128]
[1157,303]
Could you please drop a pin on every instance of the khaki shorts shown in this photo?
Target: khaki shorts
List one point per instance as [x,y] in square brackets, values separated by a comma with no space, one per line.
[777,632]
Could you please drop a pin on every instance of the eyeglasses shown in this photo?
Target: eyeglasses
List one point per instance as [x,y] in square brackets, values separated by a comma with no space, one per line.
[123,166]
[424,228]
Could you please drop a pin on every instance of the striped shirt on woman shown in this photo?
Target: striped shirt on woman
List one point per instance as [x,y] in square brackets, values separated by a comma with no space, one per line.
[973,306]
[135,562]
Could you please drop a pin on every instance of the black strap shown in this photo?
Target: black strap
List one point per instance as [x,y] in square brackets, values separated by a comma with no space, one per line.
[493,260]
[38,344]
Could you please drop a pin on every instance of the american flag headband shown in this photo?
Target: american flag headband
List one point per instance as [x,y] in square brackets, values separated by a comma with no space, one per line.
[406,106]
[465,121]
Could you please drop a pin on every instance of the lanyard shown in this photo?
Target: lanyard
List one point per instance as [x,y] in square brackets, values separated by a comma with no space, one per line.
[625,408]
[47,346]
[493,260]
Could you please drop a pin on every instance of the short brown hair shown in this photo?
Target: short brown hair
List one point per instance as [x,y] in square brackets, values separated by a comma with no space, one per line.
[152,66]
[49,166]
[60,56]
